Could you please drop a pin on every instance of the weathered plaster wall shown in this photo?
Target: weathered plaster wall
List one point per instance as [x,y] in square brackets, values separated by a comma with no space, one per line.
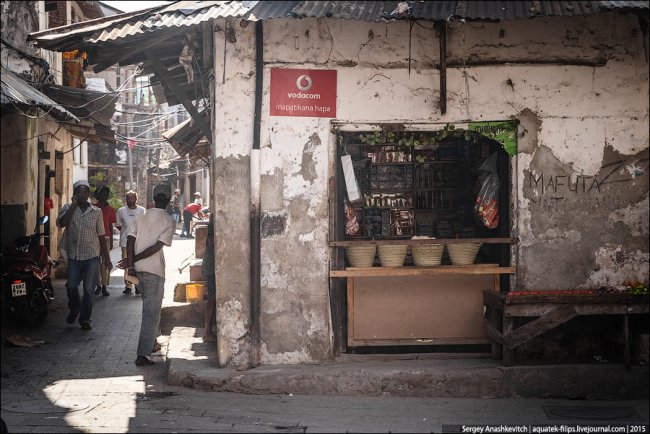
[18,19]
[19,174]
[234,96]
[576,120]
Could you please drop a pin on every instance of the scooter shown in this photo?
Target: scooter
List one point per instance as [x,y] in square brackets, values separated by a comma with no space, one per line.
[27,278]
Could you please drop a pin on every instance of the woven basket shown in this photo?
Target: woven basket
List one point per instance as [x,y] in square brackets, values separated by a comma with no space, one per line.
[392,256]
[426,255]
[361,256]
[463,253]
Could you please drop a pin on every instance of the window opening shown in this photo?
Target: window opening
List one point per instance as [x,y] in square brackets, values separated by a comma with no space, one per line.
[425,183]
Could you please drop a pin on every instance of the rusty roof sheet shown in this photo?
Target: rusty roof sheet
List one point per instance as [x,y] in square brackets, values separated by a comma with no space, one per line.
[175,15]
[186,138]
[450,10]
[18,93]
[189,13]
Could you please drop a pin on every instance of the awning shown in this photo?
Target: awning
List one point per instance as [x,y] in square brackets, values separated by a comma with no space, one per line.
[94,109]
[19,95]
[186,138]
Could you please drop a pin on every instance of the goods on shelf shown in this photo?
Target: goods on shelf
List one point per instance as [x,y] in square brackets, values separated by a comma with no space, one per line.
[351,220]
[361,256]
[427,255]
[487,207]
[392,256]
[463,253]
[401,222]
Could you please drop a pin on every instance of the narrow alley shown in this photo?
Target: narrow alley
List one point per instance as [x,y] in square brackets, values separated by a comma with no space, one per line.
[86,381]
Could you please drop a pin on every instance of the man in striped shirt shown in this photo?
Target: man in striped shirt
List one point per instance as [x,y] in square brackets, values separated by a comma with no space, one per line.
[84,242]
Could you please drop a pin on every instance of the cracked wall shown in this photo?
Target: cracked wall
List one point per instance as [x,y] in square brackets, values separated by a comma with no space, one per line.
[578,87]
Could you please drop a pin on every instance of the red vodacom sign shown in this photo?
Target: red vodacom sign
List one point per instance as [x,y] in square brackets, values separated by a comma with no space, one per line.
[303,92]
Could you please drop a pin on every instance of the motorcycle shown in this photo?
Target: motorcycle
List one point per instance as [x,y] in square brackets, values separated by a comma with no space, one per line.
[27,279]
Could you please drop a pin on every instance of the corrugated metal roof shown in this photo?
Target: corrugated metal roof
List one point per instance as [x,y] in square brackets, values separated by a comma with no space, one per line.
[178,14]
[17,92]
[623,4]
[449,10]
[189,13]
[186,138]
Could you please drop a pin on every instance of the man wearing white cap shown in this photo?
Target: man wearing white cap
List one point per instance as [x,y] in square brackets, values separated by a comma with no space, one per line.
[83,242]
[198,199]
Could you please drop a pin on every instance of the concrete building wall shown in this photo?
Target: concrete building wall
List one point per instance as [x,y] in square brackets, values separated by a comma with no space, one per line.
[19,174]
[578,87]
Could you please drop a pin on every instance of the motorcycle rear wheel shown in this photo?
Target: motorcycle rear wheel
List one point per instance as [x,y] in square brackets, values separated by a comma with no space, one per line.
[32,309]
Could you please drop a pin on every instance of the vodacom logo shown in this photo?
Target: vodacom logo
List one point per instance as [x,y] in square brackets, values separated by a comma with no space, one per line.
[304,82]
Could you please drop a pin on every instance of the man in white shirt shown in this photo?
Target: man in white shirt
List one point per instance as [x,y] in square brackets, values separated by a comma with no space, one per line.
[145,259]
[125,218]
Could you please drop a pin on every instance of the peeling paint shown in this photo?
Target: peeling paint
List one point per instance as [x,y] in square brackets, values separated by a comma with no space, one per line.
[635,217]
[558,237]
[232,332]
[294,357]
[235,327]
[308,165]
[306,238]
[615,265]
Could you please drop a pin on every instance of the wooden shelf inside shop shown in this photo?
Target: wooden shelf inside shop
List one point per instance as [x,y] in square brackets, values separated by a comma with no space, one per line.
[422,271]
[416,242]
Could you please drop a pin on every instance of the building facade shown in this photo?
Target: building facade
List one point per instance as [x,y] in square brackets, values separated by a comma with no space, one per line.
[577,88]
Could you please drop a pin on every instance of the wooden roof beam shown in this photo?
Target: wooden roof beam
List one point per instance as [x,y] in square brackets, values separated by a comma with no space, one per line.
[168,80]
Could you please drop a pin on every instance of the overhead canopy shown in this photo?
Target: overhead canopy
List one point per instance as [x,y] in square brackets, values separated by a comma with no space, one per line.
[94,109]
[19,95]
[186,138]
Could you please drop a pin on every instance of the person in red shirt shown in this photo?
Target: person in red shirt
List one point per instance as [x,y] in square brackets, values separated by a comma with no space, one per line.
[191,210]
[104,275]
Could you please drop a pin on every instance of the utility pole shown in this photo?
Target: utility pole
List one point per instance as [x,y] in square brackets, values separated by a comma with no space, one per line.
[130,145]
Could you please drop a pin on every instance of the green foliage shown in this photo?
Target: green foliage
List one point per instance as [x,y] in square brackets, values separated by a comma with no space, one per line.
[99,180]
[410,138]
[637,288]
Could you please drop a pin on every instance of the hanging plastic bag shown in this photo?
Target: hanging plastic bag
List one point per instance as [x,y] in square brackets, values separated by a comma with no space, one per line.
[351,220]
[354,192]
[486,207]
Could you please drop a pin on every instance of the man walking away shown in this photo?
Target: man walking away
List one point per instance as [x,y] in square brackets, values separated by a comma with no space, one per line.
[108,214]
[84,242]
[125,218]
[173,208]
[145,259]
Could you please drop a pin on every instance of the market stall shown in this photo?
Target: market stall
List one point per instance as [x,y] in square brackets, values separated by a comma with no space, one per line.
[426,231]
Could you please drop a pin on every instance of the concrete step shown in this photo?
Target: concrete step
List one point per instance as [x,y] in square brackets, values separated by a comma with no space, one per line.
[193,363]
[182,315]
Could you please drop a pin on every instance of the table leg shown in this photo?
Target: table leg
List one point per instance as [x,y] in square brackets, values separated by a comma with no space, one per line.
[626,332]
[508,354]
[495,320]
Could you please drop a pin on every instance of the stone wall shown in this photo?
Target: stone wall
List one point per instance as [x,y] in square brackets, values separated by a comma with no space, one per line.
[578,87]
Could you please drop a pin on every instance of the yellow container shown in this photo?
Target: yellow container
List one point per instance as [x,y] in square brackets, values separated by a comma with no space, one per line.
[194,292]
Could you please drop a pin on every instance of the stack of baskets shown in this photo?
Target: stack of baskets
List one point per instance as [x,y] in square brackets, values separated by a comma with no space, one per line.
[463,253]
[361,256]
[392,256]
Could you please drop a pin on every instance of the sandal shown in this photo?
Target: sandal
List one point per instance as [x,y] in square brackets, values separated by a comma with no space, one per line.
[143,361]
[156,347]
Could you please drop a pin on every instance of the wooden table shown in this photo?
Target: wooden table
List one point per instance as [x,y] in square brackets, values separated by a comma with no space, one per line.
[551,310]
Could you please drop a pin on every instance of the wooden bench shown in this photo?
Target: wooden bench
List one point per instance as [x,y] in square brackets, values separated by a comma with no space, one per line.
[552,309]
